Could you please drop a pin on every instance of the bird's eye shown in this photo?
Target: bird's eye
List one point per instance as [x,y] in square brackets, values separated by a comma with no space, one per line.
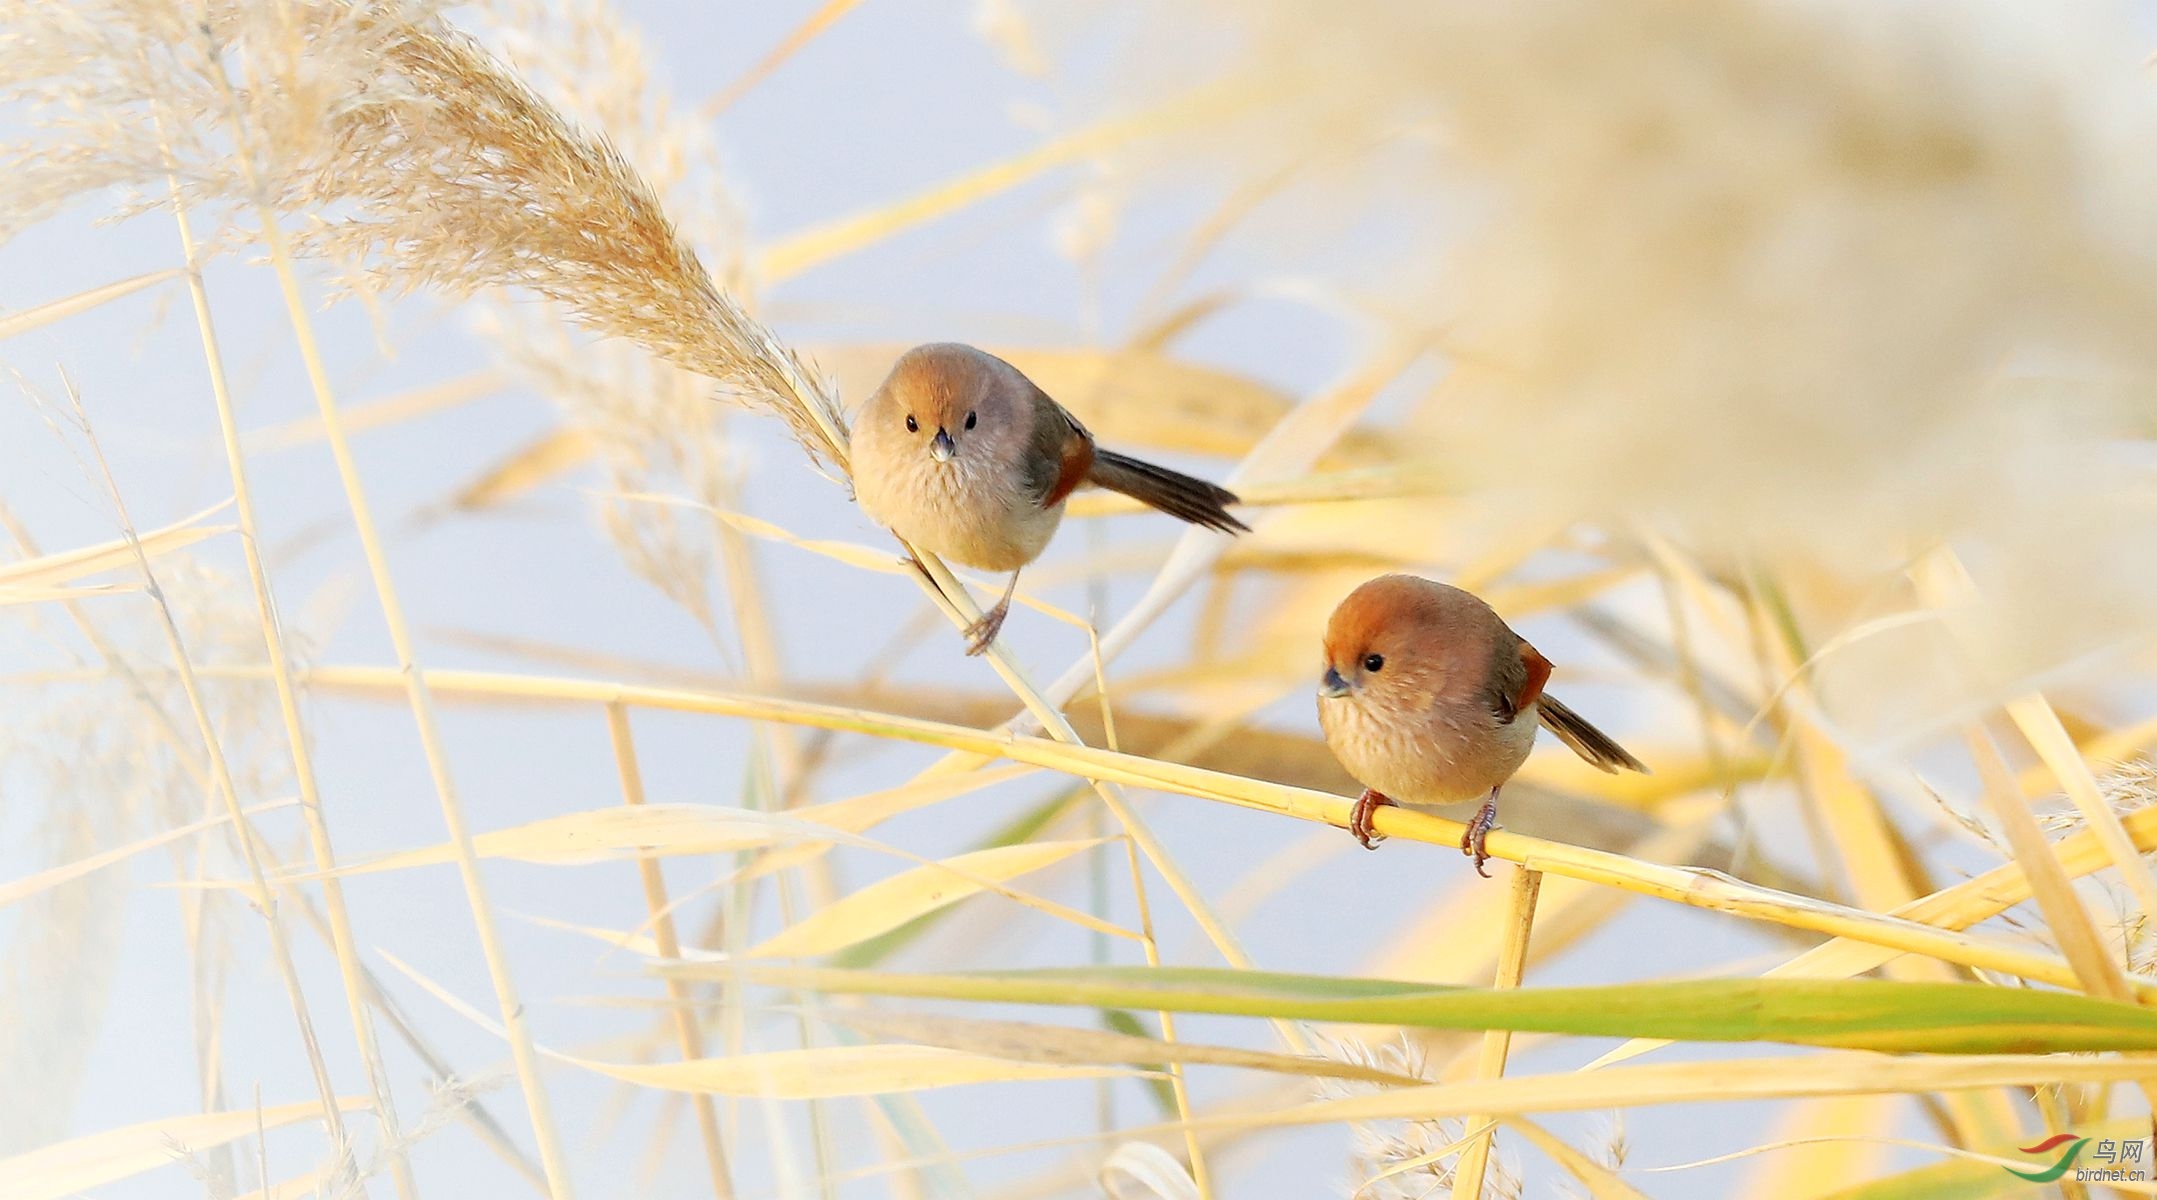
[912,426]
[969,420]
[1374,662]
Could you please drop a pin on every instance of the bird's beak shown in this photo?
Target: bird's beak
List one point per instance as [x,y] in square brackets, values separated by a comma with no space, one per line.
[942,448]
[1332,687]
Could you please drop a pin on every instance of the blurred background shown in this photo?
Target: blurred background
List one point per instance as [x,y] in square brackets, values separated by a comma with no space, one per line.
[1683,332]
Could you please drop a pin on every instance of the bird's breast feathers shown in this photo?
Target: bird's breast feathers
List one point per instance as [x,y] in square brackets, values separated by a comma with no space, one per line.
[1442,754]
[959,510]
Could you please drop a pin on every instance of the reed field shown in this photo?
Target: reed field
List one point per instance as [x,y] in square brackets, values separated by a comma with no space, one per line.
[462,740]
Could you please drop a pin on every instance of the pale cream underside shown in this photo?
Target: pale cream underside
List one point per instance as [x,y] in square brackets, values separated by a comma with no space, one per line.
[1445,756]
[955,510]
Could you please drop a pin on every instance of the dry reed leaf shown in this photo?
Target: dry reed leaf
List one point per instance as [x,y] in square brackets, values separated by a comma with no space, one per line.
[381,413]
[1830,1074]
[796,253]
[1602,1183]
[661,830]
[608,834]
[16,890]
[1153,1169]
[830,1072]
[633,942]
[1065,1044]
[16,323]
[67,566]
[578,839]
[816,1073]
[1677,775]
[1456,939]
[1828,1137]
[1959,906]
[1291,447]
[890,903]
[2034,716]
[97,1159]
[535,463]
[858,814]
[44,594]
[1865,842]
[1703,889]
[827,15]
[852,554]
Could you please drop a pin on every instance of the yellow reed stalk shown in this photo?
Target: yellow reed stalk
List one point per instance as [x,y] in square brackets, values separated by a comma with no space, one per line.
[1957,907]
[687,1035]
[1861,837]
[822,19]
[2070,923]
[1695,887]
[1948,580]
[2034,716]
[552,1160]
[950,595]
[793,255]
[251,849]
[1474,1159]
[349,970]
[1178,1086]
[551,1157]
[16,323]
[2071,927]
[191,907]
[1292,445]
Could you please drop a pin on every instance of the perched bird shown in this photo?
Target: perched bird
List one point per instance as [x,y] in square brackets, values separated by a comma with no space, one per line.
[960,454]
[1428,698]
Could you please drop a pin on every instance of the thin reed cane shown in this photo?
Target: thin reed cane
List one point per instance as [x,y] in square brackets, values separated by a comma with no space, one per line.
[1474,1159]
[251,849]
[552,1159]
[303,767]
[1693,886]
[687,1035]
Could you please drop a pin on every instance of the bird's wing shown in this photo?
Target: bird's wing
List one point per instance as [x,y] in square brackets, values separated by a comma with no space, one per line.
[1062,451]
[1518,673]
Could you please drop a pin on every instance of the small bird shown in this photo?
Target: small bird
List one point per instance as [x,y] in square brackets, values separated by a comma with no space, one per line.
[1429,698]
[960,454]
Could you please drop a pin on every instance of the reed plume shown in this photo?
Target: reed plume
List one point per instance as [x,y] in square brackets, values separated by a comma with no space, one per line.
[405,149]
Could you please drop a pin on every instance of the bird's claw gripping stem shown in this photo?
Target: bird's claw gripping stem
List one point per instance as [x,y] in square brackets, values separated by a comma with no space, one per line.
[1479,827]
[1359,818]
[982,633]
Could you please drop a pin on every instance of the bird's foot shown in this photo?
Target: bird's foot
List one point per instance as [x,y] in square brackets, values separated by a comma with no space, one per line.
[1359,818]
[982,633]
[1471,839]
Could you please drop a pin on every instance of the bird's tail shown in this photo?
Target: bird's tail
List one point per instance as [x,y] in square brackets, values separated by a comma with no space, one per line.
[1586,740]
[1172,492]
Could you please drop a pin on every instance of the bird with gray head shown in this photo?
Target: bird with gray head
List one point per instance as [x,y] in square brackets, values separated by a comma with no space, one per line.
[959,453]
